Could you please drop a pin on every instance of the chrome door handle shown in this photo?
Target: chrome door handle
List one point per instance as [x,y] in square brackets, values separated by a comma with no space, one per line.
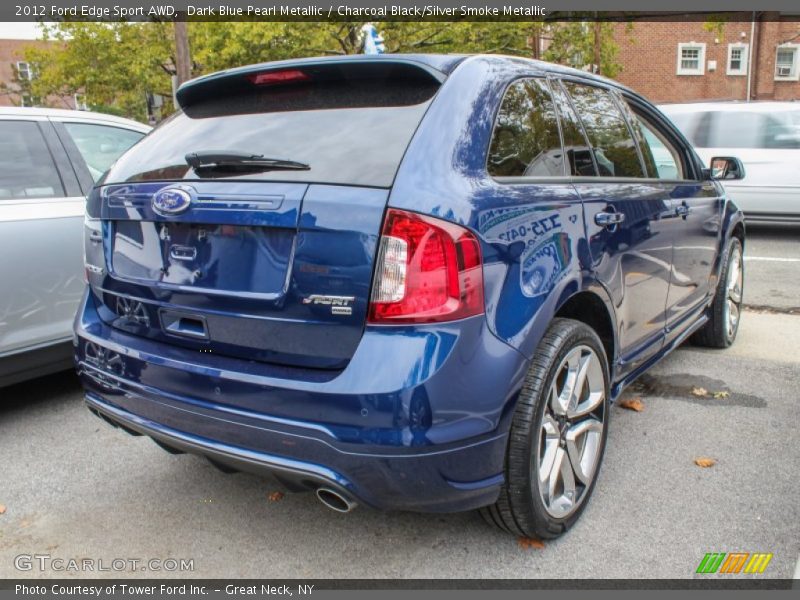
[608,219]
[682,210]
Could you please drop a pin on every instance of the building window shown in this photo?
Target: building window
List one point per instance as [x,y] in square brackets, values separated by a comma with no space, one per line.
[691,59]
[24,71]
[786,63]
[26,100]
[80,102]
[737,59]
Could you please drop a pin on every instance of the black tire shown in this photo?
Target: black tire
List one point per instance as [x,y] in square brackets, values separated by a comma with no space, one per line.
[716,333]
[520,509]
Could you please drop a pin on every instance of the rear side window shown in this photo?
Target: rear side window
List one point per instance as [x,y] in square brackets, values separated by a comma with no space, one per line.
[101,145]
[349,131]
[26,166]
[752,130]
[614,148]
[525,141]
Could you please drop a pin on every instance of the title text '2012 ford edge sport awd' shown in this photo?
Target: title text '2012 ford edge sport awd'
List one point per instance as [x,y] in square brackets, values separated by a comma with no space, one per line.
[411,282]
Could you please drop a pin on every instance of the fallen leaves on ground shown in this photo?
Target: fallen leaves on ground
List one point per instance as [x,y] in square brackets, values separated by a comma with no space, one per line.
[528,543]
[699,391]
[705,462]
[632,404]
[275,497]
[2,509]
[721,395]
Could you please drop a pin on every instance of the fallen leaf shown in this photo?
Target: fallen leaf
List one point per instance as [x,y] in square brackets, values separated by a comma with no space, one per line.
[699,391]
[528,543]
[705,462]
[721,395]
[2,509]
[632,404]
[275,496]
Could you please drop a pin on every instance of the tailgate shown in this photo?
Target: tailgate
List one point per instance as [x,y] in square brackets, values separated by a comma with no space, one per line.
[276,272]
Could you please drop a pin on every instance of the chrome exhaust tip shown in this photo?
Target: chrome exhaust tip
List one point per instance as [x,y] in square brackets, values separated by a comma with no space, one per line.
[335,501]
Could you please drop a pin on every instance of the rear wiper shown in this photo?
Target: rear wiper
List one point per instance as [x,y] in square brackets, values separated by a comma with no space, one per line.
[212,159]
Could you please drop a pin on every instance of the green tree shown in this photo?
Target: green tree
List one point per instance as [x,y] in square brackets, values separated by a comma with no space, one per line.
[113,64]
[573,44]
[116,64]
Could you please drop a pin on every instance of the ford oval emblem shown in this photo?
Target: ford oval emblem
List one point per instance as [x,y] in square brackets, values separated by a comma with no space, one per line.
[171,201]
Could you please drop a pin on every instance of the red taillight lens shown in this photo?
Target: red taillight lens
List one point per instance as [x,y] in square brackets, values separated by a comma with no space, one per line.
[277,77]
[427,270]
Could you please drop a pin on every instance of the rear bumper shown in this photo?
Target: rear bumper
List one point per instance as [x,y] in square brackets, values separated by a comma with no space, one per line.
[417,421]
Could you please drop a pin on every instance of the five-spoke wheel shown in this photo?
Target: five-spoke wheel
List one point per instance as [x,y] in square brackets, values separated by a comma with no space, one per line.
[557,435]
[571,432]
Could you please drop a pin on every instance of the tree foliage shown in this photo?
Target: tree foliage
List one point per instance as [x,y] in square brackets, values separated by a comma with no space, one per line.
[116,64]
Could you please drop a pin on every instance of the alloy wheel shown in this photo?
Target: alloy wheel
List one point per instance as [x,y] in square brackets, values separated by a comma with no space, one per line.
[733,292]
[571,432]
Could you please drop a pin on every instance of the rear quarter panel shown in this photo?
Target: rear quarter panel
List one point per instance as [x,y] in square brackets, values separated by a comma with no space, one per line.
[532,234]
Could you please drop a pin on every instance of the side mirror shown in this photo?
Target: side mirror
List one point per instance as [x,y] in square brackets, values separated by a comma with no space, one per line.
[726,168]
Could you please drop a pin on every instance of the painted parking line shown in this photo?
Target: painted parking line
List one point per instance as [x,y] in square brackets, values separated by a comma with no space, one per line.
[772,258]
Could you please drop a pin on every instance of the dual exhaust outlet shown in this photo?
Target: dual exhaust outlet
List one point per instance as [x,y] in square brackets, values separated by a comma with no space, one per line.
[334,500]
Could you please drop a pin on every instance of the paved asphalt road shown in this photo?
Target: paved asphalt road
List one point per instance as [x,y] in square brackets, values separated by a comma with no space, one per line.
[772,265]
[75,487]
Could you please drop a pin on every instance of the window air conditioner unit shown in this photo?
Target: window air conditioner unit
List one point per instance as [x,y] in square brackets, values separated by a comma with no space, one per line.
[784,71]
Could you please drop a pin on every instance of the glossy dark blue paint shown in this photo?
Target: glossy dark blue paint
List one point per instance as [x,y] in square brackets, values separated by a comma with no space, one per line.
[408,417]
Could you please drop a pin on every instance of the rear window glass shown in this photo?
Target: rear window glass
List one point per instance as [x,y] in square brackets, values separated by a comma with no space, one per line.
[348,132]
[101,145]
[754,130]
[26,167]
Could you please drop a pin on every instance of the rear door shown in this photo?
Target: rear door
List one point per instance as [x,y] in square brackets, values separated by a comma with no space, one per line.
[625,214]
[41,216]
[266,264]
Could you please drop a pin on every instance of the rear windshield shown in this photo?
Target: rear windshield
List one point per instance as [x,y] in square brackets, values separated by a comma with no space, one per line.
[348,132]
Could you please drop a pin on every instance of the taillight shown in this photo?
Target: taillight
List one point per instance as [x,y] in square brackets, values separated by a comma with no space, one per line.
[427,270]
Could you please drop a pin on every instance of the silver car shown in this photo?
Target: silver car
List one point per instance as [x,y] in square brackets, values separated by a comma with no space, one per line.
[765,136]
[49,160]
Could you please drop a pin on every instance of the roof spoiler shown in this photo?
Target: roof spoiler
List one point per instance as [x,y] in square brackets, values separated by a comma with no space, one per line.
[292,72]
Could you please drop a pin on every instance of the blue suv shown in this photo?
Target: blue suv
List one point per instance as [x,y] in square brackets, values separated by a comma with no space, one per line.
[411,282]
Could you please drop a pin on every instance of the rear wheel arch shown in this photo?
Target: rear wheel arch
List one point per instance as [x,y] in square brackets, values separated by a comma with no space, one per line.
[592,309]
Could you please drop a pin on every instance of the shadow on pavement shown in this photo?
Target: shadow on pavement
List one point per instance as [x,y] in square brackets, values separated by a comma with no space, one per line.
[778,231]
[37,391]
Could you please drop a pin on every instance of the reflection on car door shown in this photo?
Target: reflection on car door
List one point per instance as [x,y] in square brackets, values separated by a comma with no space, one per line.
[41,226]
[630,249]
[692,222]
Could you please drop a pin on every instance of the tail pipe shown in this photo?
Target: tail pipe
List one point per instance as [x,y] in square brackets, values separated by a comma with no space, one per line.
[335,501]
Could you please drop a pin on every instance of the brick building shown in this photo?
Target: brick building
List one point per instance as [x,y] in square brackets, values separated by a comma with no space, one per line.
[671,61]
[13,68]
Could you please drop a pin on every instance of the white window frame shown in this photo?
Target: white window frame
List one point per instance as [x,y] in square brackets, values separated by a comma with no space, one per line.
[80,102]
[701,58]
[27,70]
[742,70]
[794,74]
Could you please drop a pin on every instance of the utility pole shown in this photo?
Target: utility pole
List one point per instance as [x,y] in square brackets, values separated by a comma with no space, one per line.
[536,40]
[597,41]
[183,63]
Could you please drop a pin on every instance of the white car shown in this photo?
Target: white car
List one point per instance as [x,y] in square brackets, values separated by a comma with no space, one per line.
[765,136]
[49,161]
